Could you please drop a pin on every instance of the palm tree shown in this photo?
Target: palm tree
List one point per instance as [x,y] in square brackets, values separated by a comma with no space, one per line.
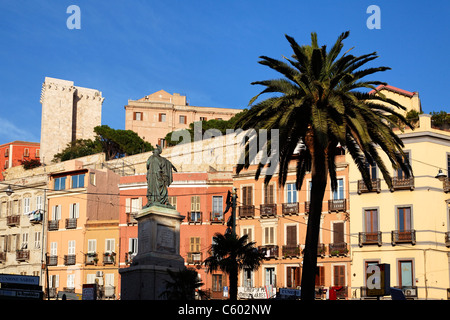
[231,253]
[319,103]
[182,285]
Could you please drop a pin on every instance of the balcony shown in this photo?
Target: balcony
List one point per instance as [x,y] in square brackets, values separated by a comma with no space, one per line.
[216,217]
[290,251]
[3,256]
[52,260]
[51,292]
[36,216]
[402,183]
[408,291]
[53,225]
[447,239]
[194,258]
[307,205]
[268,210]
[446,186]
[270,251]
[376,186]
[368,238]
[246,211]
[71,223]
[107,292]
[321,248]
[341,292]
[109,258]
[338,249]
[131,218]
[337,205]
[69,259]
[406,236]
[22,255]
[90,258]
[288,209]
[194,217]
[13,221]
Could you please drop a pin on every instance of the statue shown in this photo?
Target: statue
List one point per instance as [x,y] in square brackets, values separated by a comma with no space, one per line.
[159,177]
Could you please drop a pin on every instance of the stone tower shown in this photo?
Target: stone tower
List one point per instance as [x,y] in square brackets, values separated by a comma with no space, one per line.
[68,113]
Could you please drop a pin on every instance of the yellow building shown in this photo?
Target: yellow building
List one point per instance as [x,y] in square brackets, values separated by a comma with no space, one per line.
[83,230]
[406,227]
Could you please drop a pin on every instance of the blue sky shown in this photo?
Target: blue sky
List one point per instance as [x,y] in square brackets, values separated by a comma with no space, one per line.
[206,50]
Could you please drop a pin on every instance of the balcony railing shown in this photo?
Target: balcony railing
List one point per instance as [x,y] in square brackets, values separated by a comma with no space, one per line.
[290,208]
[70,259]
[3,256]
[216,217]
[246,211]
[51,292]
[270,251]
[408,291]
[71,223]
[13,220]
[53,225]
[321,249]
[194,258]
[291,251]
[109,258]
[268,210]
[447,239]
[22,255]
[338,249]
[131,217]
[195,217]
[367,238]
[376,186]
[406,236]
[307,205]
[91,258]
[337,205]
[403,183]
[52,260]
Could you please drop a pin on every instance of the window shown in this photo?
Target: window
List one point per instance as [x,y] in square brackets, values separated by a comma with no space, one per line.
[291,193]
[39,203]
[37,240]
[182,119]
[162,143]
[38,153]
[400,172]
[217,205]
[320,276]
[54,281]
[371,220]
[194,244]
[137,116]
[54,249]
[92,178]
[405,273]
[338,232]
[195,203]
[26,205]
[74,212]
[26,152]
[92,246]
[133,205]
[404,219]
[78,181]
[268,194]
[339,275]
[269,235]
[270,277]
[291,235]
[203,119]
[60,183]
[162,117]
[249,233]
[217,282]
[56,212]
[109,245]
[247,197]
[24,241]
[71,281]
[248,278]
[71,247]
[372,170]
[132,247]
[292,277]
[338,194]
[173,201]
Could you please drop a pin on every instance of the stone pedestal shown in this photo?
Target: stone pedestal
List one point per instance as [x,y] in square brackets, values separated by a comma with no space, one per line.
[158,250]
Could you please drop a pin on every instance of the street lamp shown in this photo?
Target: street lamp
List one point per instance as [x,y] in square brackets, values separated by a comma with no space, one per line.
[441,176]
[9,191]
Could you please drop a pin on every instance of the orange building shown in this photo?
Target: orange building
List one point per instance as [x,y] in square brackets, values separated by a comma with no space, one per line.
[276,219]
[13,153]
[83,230]
[199,197]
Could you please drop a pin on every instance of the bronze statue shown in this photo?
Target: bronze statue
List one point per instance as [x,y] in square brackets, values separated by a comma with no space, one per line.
[159,177]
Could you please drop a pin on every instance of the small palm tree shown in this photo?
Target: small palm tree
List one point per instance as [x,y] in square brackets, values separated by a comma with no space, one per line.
[231,253]
[317,103]
[182,285]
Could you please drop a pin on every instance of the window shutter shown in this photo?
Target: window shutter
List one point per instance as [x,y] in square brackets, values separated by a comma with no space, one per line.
[291,235]
[338,229]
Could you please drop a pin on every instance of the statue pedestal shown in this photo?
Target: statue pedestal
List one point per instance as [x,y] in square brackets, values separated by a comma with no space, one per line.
[158,250]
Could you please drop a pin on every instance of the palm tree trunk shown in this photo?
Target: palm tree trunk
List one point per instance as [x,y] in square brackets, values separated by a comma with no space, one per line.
[319,183]
[233,278]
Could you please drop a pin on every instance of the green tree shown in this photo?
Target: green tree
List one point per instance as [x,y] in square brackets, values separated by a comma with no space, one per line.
[182,285]
[231,253]
[320,102]
[76,149]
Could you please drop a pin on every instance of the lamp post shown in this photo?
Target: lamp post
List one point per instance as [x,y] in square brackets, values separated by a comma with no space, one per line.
[9,191]
[441,176]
